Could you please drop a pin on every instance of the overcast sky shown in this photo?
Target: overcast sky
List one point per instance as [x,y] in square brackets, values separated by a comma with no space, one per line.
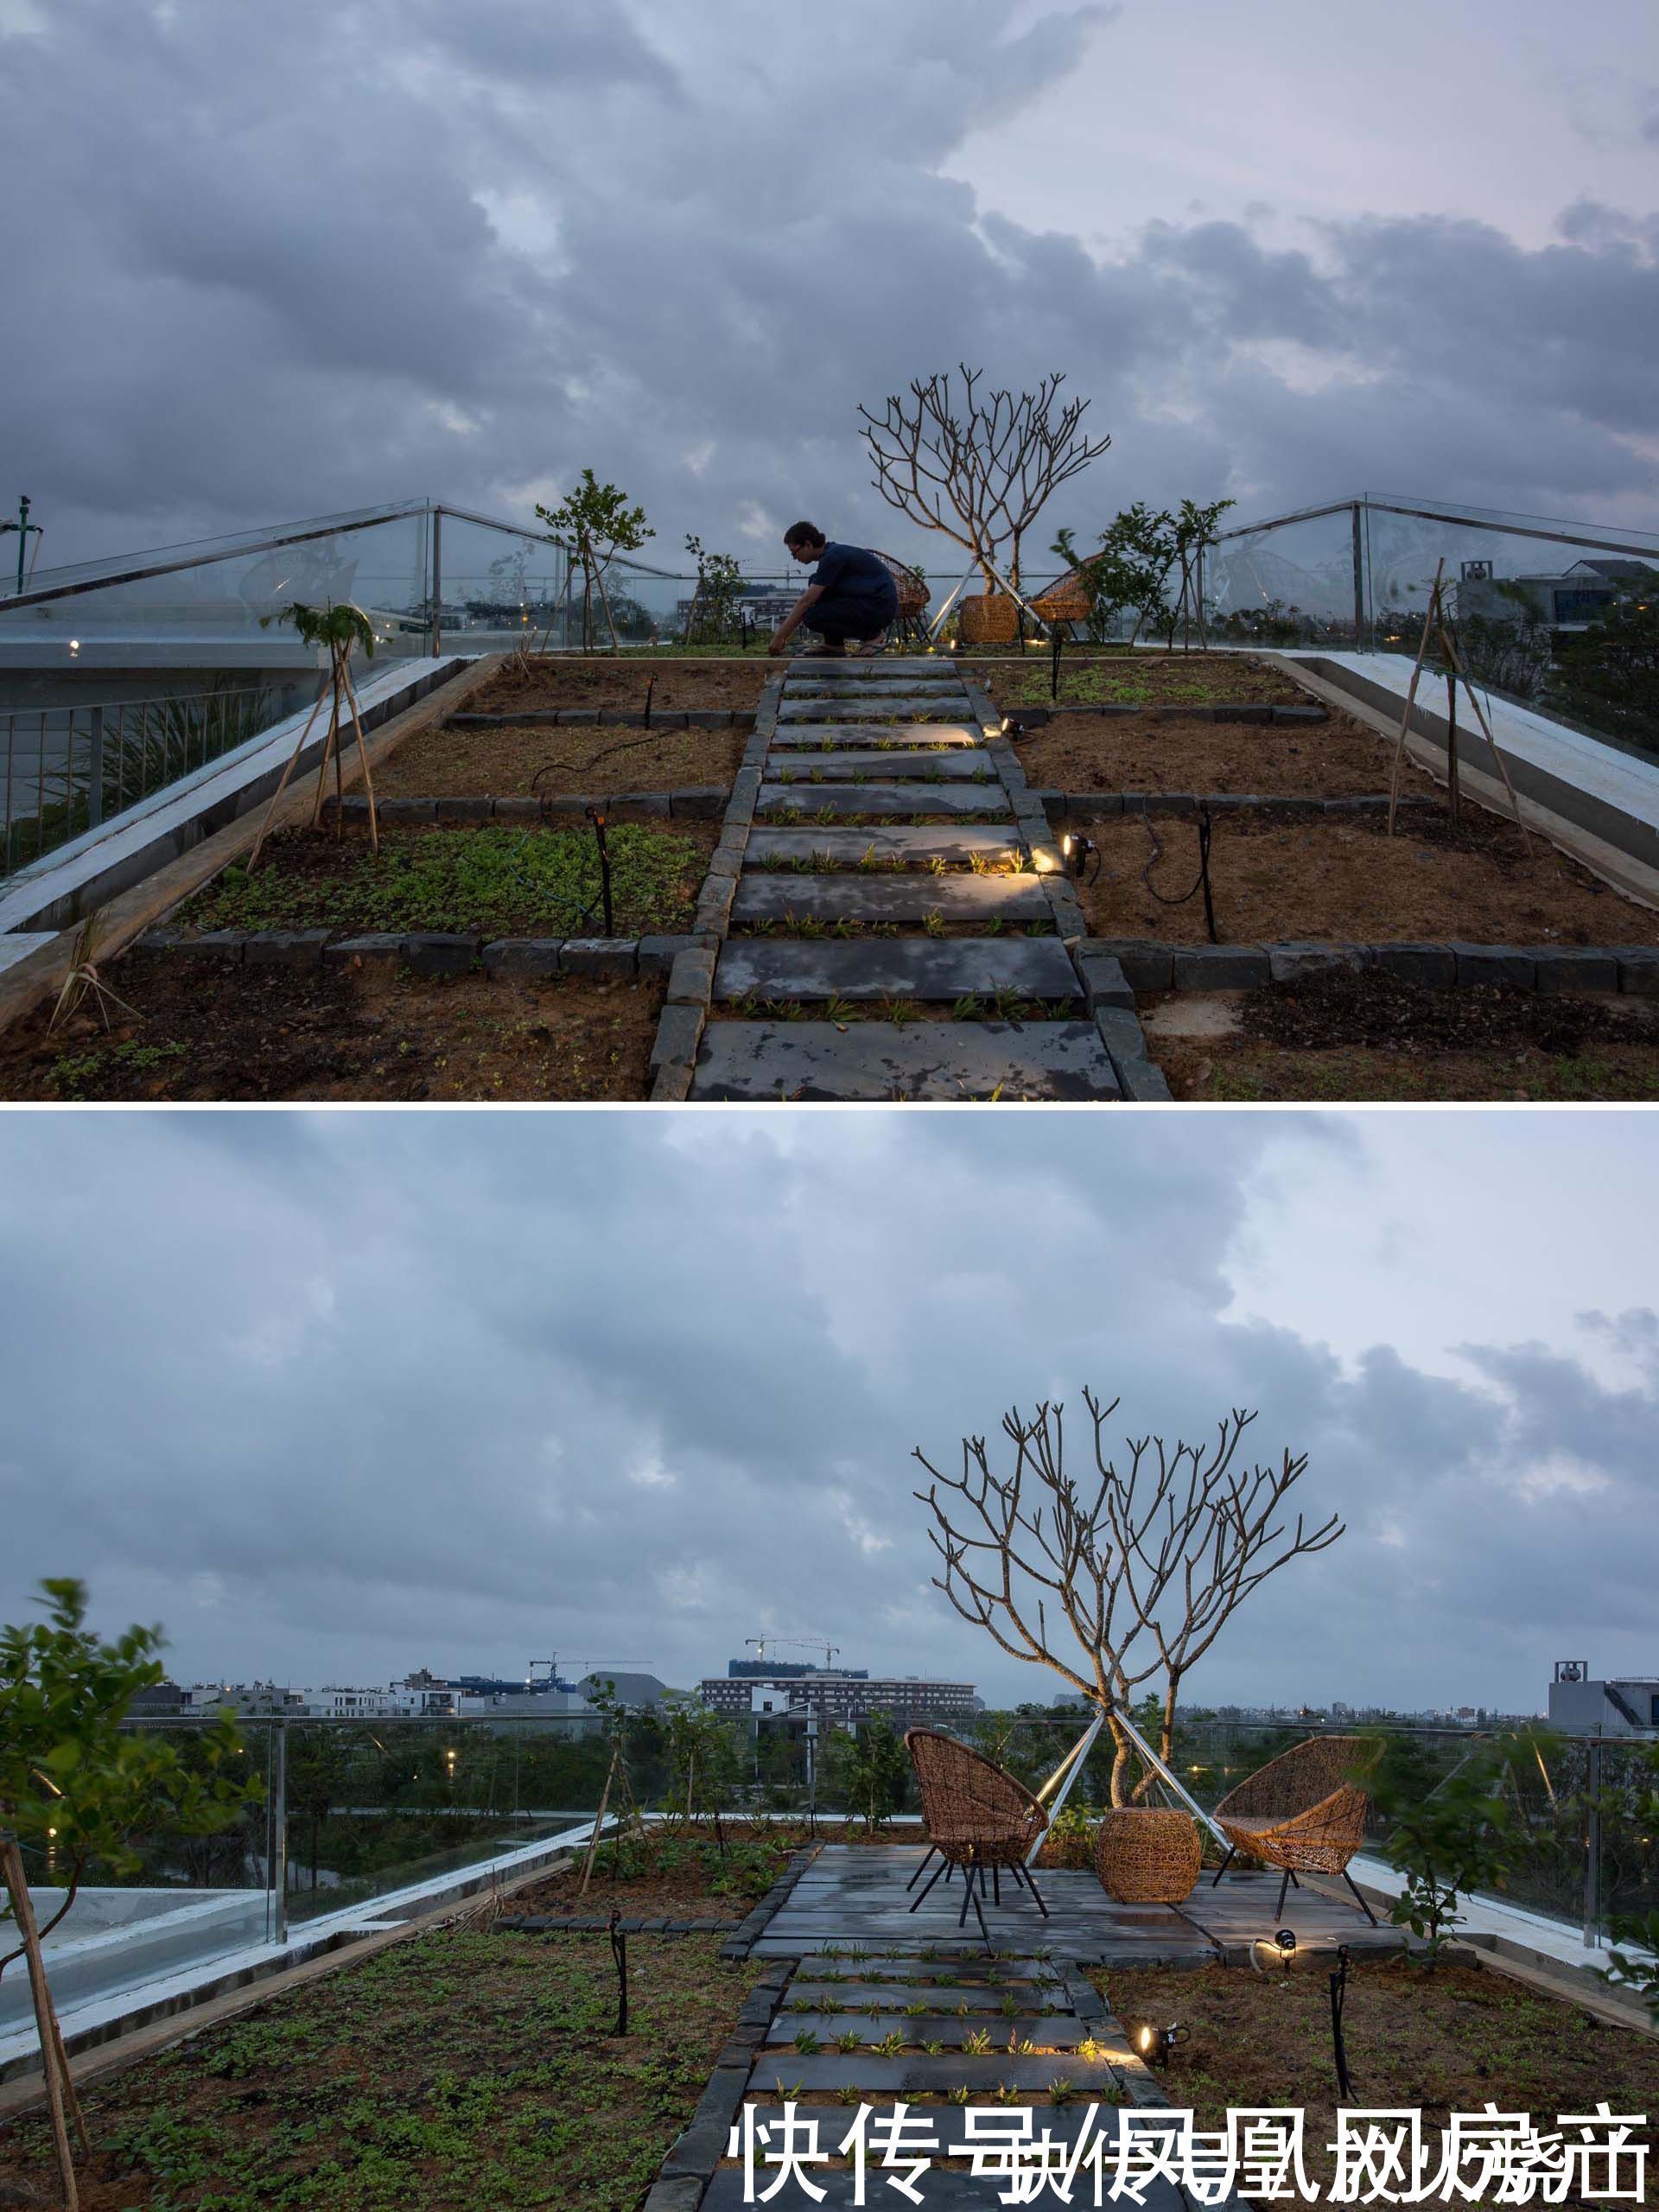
[334,1395]
[264,262]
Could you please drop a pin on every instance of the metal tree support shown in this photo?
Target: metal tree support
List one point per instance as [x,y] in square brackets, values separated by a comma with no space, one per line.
[1592,1847]
[277,1856]
[1071,1767]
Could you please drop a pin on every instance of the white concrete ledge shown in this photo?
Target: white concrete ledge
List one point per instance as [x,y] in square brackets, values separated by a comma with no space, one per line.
[63,886]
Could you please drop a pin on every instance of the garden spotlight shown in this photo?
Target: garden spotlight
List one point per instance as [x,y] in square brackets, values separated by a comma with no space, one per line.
[1013,727]
[1155,2044]
[1077,850]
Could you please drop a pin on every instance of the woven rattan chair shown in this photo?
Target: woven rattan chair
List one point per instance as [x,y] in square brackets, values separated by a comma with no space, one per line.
[912,598]
[977,1816]
[1302,1811]
[1068,598]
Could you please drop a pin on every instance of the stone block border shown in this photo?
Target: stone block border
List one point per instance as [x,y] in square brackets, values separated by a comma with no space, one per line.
[605,718]
[697,803]
[691,981]
[690,2163]
[1105,806]
[1149,966]
[433,952]
[754,1926]
[1241,711]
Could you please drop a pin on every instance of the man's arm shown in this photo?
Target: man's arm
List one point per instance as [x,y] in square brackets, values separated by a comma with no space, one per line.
[796,614]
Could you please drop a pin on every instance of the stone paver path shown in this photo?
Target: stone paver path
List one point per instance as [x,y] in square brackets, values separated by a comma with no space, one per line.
[894,867]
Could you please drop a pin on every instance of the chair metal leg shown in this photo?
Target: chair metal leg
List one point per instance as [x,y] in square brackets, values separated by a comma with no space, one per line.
[968,1873]
[1283,1887]
[1025,1877]
[1359,1900]
[985,1933]
[922,1869]
[996,1883]
[1222,1869]
[943,1867]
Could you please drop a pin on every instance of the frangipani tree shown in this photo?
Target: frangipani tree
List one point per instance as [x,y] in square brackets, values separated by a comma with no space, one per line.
[1115,1577]
[340,628]
[81,1789]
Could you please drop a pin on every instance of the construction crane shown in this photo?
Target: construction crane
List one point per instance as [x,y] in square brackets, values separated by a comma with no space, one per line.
[587,1666]
[832,1651]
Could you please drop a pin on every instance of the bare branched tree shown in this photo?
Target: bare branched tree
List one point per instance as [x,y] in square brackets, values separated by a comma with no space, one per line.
[981,473]
[1142,1566]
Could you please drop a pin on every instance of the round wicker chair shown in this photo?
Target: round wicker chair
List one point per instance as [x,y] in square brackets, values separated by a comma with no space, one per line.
[977,1816]
[913,591]
[1067,600]
[1302,1812]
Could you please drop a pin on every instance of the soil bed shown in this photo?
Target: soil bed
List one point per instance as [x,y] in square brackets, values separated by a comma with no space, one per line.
[575,680]
[1120,679]
[1085,753]
[1332,880]
[452,2071]
[519,762]
[1452,2040]
[1375,1036]
[333,1033]
[496,880]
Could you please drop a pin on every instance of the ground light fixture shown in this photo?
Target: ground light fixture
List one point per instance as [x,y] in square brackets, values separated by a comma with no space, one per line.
[1013,727]
[1079,850]
[1155,2044]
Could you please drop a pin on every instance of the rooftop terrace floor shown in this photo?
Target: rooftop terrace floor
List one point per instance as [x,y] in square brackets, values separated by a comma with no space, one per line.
[855,1894]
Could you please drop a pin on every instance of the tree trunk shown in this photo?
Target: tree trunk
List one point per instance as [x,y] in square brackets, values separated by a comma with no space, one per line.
[46,2021]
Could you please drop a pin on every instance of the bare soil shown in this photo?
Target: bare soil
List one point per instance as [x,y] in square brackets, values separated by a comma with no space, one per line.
[1157,679]
[1377,1038]
[333,1033]
[1338,759]
[1331,879]
[1452,2040]
[517,762]
[575,680]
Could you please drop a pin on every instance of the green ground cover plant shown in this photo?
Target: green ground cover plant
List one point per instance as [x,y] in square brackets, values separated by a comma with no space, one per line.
[456,2070]
[493,880]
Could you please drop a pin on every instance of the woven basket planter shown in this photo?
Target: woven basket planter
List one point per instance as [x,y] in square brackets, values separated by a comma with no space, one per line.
[1147,1855]
[989,620]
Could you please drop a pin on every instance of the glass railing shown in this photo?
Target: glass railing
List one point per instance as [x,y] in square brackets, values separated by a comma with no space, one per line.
[1556,616]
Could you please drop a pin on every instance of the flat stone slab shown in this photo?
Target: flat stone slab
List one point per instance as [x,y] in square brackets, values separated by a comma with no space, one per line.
[945,706]
[924,968]
[877,897]
[994,843]
[886,798]
[1020,1062]
[854,686]
[808,666]
[839,737]
[980,1998]
[914,2072]
[963,763]
[1058,2032]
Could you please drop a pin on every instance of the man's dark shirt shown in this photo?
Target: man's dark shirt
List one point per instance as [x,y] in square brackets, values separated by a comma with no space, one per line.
[850,572]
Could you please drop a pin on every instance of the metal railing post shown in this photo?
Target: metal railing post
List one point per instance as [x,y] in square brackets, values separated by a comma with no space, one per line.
[95,772]
[1359,578]
[279,1831]
[437,581]
[1592,1847]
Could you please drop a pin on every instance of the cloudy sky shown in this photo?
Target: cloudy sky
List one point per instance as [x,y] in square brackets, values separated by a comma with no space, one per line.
[274,261]
[333,1395]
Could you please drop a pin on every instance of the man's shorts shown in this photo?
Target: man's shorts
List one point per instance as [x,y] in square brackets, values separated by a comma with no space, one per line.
[835,617]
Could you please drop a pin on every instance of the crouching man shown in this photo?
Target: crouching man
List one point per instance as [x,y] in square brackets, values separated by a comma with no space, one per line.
[852,594]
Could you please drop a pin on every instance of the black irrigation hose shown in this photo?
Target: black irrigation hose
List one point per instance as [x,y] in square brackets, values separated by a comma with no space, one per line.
[1202,883]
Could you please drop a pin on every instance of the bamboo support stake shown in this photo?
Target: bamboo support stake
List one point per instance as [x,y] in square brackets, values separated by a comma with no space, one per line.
[599,1821]
[1430,621]
[16,1880]
[1456,660]
[276,797]
[363,756]
[331,741]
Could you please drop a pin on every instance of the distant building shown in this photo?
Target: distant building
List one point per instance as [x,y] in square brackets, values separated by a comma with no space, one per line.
[1572,600]
[635,1690]
[837,1697]
[1626,1707]
[247,1700]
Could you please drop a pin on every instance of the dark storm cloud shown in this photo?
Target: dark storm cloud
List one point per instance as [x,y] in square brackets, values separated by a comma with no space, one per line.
[338,1395]
[297,260]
